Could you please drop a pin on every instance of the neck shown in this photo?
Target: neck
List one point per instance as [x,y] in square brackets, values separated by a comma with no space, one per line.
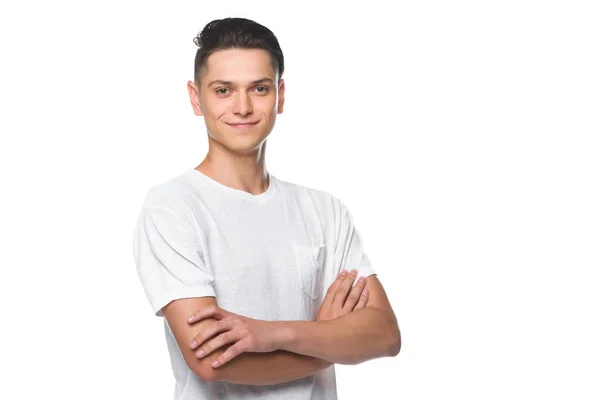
[244,172]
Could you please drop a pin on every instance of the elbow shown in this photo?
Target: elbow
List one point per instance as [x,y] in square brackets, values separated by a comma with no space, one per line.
[394,339]
[395,349]
[396,343]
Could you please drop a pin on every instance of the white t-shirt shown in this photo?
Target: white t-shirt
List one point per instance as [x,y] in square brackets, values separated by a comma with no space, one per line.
[270,256]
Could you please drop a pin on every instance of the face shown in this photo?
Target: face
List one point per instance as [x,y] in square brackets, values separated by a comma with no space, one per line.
[239,97]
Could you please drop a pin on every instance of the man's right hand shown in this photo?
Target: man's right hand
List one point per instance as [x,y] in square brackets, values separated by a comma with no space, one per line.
[342,298]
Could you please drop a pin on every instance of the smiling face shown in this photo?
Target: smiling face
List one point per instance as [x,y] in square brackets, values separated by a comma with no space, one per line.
[239,97]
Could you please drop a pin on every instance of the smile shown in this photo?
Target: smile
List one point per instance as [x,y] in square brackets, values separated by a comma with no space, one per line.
[243,125]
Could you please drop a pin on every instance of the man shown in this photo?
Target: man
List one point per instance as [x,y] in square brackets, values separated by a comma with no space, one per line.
[269,253]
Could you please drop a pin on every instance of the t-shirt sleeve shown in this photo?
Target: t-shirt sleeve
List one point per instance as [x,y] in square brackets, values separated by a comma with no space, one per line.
[167,255]
[348,249]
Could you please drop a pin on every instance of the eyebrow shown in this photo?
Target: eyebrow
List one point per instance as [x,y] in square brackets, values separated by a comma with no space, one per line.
[230,83]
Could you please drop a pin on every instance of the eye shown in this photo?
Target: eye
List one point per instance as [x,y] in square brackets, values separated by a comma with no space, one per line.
[220,91]
[266,89]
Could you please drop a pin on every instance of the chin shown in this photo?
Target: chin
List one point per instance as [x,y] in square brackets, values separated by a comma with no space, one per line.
[243,143]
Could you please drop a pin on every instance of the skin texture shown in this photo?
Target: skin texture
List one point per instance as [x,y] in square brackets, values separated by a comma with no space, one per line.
[342,298]
[251,335]
[248,368]
[354,338]
[351,339]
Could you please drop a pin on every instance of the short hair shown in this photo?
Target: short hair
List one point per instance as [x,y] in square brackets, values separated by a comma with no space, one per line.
[236,33]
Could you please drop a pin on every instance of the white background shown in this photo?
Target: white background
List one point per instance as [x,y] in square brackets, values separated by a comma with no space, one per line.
[462,135]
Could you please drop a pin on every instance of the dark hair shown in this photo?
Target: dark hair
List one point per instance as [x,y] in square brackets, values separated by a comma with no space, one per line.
[236,33]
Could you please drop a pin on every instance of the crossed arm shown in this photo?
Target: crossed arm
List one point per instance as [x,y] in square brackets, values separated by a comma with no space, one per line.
[306,347]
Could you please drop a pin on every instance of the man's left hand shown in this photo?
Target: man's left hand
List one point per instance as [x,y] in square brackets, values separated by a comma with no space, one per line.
[249,335]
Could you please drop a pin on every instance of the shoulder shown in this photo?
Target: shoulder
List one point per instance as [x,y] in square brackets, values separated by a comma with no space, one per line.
[167,214]
[173,194]
[321,199]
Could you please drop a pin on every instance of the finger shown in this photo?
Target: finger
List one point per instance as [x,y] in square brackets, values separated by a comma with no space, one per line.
[362,302]
[218,342]
[343,290]
[213,311]
[229,354]
[354,295]
[334,287]
[210,331]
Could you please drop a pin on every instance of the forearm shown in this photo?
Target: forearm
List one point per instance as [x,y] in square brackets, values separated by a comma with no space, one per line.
[265,368]
[354,338]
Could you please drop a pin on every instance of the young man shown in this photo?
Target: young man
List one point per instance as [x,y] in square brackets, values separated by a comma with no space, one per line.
[268,252]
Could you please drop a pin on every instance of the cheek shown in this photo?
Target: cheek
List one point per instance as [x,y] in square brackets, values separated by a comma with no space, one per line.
[216,112]
[213,106]
[267,105]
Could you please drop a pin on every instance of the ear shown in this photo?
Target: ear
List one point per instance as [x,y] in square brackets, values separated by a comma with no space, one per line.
[281,93]
[194,97]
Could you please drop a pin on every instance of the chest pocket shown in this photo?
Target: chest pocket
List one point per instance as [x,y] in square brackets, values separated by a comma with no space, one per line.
[310,263]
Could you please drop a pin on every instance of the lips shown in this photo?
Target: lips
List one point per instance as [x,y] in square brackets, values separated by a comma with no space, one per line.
[242,124]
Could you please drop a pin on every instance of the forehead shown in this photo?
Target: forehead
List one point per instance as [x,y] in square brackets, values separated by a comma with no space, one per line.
[239,65]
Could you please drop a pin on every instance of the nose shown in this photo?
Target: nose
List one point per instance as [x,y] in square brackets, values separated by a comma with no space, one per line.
[242,104]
